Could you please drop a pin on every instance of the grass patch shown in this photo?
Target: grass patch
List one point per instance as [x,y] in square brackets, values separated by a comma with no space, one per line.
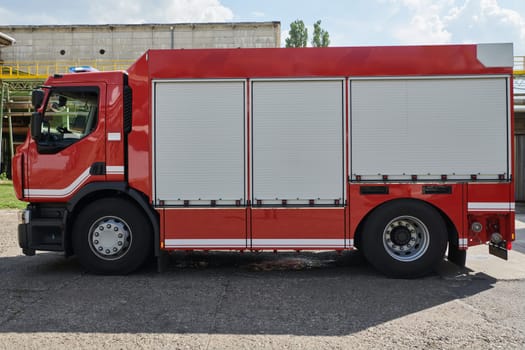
[8,199]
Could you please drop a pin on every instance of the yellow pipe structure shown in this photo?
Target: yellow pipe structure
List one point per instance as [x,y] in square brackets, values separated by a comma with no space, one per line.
[519,66]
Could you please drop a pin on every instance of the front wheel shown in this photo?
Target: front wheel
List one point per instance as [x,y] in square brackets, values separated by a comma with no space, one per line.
[112,236]
[404,238]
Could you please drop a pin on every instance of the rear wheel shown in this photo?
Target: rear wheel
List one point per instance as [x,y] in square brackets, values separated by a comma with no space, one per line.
[404,238]
[112,236]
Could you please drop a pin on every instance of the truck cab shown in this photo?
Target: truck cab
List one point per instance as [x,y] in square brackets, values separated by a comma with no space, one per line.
[76,141]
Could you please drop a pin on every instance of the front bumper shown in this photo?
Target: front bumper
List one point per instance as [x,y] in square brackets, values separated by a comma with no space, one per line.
[23,232]
[38,230]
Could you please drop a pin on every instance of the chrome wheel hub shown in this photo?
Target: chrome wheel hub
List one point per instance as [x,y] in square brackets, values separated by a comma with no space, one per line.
[406,238]
[110,238]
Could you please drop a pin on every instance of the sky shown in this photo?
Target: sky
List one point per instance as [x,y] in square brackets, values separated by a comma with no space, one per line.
[349,22]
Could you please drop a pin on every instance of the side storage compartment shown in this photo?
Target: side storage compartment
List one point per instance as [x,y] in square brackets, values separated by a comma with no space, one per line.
[298,164]
[199,142]
[200,162]
[431,128]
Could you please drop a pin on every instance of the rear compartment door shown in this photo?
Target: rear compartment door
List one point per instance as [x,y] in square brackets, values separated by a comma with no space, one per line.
[430,127]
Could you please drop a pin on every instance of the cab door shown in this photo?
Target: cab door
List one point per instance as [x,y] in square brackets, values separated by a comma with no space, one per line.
[71,148]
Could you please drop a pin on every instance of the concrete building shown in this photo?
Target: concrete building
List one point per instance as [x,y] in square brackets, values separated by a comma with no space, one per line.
[129,41]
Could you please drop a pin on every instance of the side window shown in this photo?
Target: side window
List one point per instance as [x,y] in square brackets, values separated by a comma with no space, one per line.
[70,115]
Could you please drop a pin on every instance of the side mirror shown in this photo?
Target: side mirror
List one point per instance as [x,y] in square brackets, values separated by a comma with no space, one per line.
[37,97]
[36,126]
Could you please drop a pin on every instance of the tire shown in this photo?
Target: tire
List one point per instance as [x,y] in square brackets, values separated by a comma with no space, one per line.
[112,236]
[404,238]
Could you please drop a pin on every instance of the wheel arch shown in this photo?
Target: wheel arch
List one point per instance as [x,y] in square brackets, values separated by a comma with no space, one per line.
[99,190]
[453,236]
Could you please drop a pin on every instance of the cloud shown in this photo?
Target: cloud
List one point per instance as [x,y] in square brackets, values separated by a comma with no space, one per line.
[458,21]
[426,24]
[502,16]
[423,29]
[119,12]
[488,21]
[160,11]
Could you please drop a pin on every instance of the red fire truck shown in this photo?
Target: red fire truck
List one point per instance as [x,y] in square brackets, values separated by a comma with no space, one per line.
[396,151]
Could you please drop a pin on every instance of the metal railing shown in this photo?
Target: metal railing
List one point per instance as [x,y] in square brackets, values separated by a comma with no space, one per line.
[41,70]
[519,65]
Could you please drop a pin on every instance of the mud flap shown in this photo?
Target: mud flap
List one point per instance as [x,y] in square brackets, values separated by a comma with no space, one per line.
[499,250]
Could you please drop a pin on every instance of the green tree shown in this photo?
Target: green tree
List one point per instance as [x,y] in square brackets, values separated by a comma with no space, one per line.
[298,34]
[321,37]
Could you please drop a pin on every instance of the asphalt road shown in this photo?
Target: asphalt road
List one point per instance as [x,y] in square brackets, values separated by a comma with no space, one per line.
[252,301]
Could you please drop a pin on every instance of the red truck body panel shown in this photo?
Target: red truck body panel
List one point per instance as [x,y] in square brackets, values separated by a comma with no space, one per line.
[252,223]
